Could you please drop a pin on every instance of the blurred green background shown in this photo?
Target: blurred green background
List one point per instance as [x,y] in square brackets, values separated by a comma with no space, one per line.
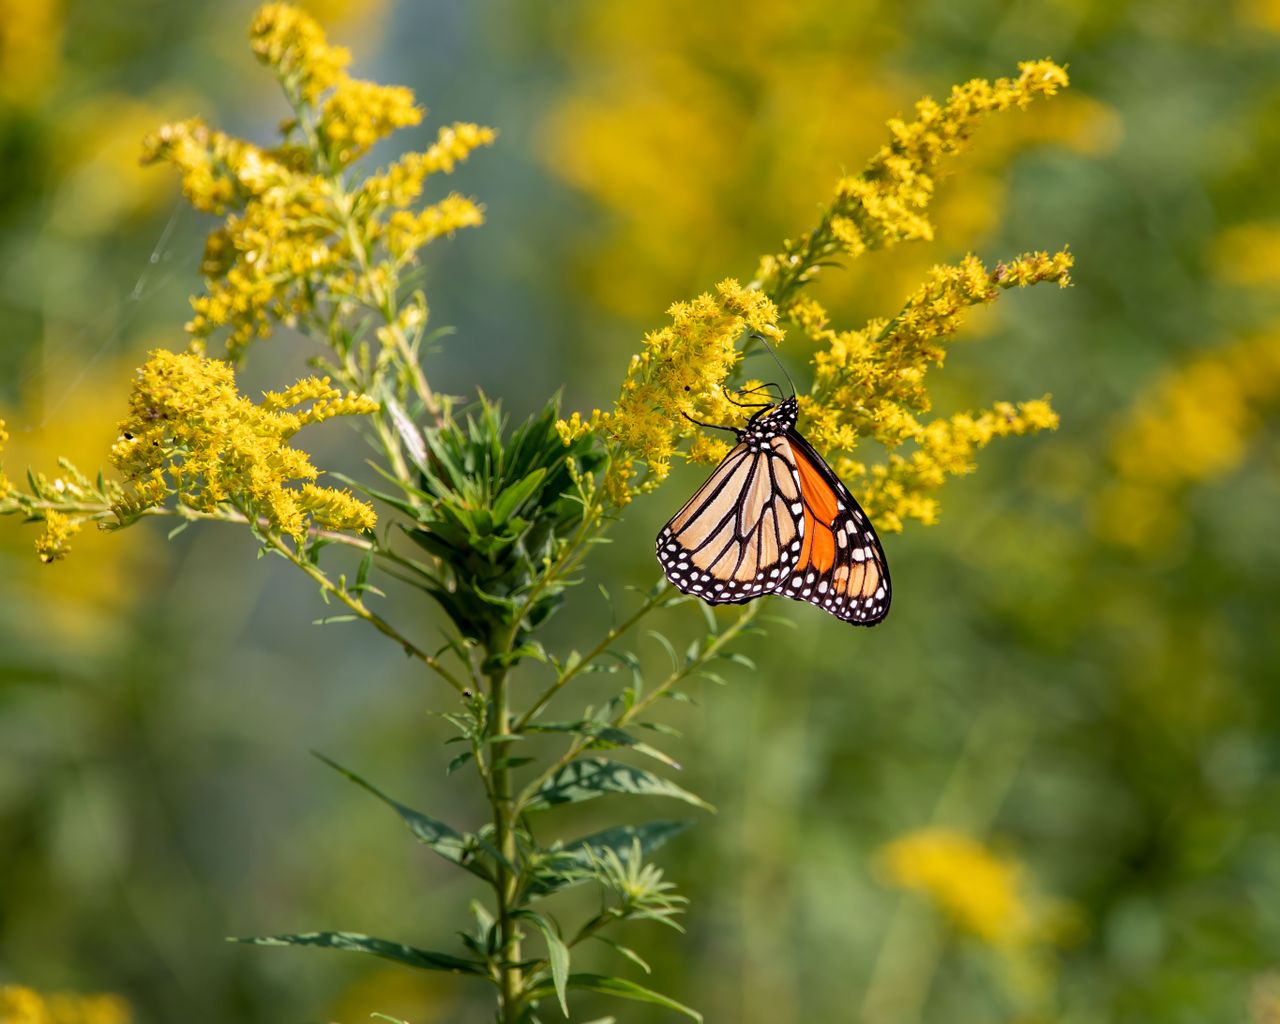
[1081,666]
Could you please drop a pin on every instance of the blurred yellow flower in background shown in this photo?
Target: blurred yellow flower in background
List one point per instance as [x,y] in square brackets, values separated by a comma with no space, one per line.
[1193,424]
[1248,254]
[21,1005]
[721,123]
[981,893]
[86,596]
[30,49]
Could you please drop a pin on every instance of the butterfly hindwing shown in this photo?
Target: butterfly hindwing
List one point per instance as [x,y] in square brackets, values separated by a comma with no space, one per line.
[842,567]
[737,537]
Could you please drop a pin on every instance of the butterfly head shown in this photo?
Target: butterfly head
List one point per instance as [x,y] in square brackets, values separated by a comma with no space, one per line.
[771,422]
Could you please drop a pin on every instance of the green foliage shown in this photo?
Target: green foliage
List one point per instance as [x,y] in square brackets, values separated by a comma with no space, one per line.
[498,510]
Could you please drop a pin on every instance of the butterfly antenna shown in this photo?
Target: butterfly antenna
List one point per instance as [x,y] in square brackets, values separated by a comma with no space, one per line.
[761,339]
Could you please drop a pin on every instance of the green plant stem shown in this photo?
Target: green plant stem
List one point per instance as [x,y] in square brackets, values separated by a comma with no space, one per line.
[507,884]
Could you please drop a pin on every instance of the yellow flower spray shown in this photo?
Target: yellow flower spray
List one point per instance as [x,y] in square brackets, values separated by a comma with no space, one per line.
[868,383]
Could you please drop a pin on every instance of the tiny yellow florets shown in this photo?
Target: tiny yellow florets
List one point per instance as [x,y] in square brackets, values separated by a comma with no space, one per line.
[359,114]
[401,183]
[888,202]
[190,433]
[293,44]
[298,241]
[872,384]
[59,528]
[869,383]
[408,232]
[679,373]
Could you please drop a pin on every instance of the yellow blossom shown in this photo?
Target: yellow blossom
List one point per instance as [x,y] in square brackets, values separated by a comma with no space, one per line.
[293,44]
[59,528]
[981,893]
[871,384]
[358,114]
[1195,423]
[192,434]
[299,242]
[868,383]
[409,232]
[1249,254]
[680,373]
[401,183]
[903,487]
[888,202]
[21,1005]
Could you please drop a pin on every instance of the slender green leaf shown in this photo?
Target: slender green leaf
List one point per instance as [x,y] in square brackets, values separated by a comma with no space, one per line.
[626,951]
[458,762]
[447,841]
[595,776]
[354,942]
[557,956]
[623,989]
[618,737]
[516,495]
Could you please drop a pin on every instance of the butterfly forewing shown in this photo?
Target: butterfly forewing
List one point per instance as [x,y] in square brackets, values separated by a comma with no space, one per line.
[732,541]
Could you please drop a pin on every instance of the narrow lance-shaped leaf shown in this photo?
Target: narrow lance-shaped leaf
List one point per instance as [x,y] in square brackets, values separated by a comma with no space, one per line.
[595,776]
[447,841]
[424,959]
[557,956]
[623,989]
[514,496]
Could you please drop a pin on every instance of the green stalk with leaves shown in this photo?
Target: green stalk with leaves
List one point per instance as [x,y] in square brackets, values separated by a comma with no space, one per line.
[496,522]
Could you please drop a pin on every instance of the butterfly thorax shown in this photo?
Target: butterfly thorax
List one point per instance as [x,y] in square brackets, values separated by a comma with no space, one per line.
[769,423]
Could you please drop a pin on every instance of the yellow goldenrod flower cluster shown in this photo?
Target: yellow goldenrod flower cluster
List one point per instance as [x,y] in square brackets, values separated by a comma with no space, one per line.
[21,1005]
[679,373]
[981,893]
[358,114]
[868,383]
[294,44]
[301,242]
[1194,424]
[888,202]
[59,528]
[190,433]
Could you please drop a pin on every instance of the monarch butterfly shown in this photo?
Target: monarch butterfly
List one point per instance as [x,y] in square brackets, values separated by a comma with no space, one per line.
[775,519]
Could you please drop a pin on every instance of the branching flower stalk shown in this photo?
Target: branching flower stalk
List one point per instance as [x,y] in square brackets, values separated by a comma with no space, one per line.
[496,522]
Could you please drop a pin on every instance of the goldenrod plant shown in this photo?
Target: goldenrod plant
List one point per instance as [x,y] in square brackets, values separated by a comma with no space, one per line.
[496,522]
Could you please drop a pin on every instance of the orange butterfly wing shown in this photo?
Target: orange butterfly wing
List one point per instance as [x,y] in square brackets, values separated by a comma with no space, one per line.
[842,567]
